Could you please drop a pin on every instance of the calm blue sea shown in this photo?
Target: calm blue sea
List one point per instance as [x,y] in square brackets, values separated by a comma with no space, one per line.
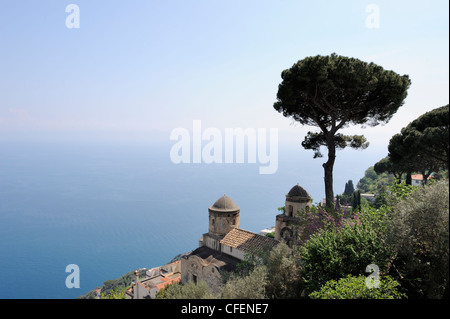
[114,207]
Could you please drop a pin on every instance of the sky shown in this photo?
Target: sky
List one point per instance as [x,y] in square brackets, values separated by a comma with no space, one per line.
[140,69]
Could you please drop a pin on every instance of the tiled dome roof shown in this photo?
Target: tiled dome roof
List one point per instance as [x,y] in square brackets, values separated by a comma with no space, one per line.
[224,204]
[298,191]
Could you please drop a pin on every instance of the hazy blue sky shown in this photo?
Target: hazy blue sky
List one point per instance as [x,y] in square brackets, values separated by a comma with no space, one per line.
[144,67]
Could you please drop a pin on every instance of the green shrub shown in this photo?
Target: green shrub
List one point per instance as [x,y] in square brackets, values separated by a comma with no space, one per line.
[351,287]
[251,286]
[271,235]
[189,290]
[334,254]
[114,294]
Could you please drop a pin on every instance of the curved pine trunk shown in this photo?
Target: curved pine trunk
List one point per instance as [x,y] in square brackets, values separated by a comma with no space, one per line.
[328,174]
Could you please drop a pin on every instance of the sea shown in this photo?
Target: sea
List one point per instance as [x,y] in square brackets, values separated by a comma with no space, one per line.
[110,207]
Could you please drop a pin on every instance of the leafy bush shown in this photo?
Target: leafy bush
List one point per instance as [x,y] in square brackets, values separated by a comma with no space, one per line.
[316,219]
[352,287]
[283,271]
[419,232]
[399,191]
[189,290]
[271,235]
[251,286]
[114,294]
[335,253]
[281,265]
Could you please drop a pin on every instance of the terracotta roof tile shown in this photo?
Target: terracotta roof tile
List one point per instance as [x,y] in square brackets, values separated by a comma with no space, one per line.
[418,177]
[247,241]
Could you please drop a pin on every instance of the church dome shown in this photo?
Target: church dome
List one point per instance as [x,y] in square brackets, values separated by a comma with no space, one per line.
[298,191]
[224,204]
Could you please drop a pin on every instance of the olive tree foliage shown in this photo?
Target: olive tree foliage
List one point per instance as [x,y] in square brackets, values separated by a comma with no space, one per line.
[333,92]
[419,233]
[283,273]
[251,286]
[274,274]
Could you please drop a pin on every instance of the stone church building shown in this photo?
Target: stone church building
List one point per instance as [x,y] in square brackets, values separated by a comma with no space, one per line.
[296,200]
[225,244]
